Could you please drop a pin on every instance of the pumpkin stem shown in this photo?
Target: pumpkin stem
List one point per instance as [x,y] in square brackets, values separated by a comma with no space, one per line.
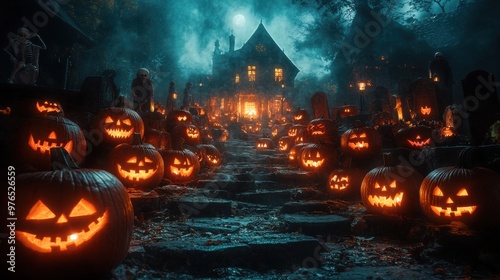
[136,138]
[60,159]
[466,157]
[388,159]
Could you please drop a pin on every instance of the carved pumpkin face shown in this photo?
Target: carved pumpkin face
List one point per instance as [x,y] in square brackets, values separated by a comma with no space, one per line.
[301,117]
[323,130]
[391,189]
[348,111]
[71,216]
[361,141]
[189,132]
[294,153]
[285,143]
[461,193]
[344,182]
[180,165]
[212,155]
[414,137]
[176,117]
[296,130]
[39,134]
[317,157]
[47,107]
[118,125]
[137,165]
[425,110]
[263,144]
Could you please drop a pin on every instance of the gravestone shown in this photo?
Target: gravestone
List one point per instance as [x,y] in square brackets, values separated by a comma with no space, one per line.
[480,103]
[319,104]
[425,104]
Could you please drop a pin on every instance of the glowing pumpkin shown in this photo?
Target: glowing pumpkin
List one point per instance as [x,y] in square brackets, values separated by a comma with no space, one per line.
[294,153]
[391,189]
[285,143]
[414,137]
[176,117]
[425,110]
[296,130]
[69,216]
[264,144]
[212,155]
[118,124]
[345,181]
[361,141]
[348,111]
[462,193]
[189,132]
[322,130]
[49,107]
[318,157]
[137,165]
[181,165]
[301,117]
[39,134]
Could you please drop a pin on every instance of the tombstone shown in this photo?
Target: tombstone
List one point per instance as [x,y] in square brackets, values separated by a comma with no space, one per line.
[380,101]
[425,104]
[96,93]
[320,105]
[480,103]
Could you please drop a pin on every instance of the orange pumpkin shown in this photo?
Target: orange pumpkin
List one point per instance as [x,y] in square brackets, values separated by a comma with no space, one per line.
[361,141]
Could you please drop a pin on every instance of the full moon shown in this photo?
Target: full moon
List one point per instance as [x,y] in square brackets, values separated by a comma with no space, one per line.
[239,20]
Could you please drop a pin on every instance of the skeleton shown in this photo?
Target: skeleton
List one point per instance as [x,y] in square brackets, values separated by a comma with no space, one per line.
[142,91]
[24,54]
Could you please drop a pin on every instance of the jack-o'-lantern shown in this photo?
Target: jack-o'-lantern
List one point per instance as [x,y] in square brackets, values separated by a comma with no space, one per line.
[118,124]
[176,117]
[348,111]
[425,110]
[318,157]
[414,137]
[48,107]
[212,155]
[296,130]
[181,165]
[69,216]
[464,193]
[206,135]
[322,130]
[345,181]
[279,130]
[264,144]
[161,140]
[361,141]
[189,132]
[39,134]
[391,189]
[137,165]
[285,143]
[294,153]
[301,117]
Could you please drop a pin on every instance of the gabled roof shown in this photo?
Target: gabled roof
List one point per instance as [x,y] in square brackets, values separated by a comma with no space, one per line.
[262,36]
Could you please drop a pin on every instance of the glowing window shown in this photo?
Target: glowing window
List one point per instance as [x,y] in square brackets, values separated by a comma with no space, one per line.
[252,73]
[278,74]
[237,78]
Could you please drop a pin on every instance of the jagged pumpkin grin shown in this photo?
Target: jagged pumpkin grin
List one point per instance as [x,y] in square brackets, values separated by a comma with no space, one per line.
[43,146]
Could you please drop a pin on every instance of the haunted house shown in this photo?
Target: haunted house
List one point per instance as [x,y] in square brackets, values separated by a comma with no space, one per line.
[251,83]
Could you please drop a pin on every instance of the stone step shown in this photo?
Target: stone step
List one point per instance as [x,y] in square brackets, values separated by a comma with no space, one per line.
[316,224]
[257,251]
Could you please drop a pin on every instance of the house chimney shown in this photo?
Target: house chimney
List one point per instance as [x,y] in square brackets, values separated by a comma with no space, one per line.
[231,43]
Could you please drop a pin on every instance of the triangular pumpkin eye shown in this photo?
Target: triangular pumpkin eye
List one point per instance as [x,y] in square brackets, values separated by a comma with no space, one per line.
[363,135]
[132,160]
[377,186]
[353,136]
[437,192]
[127,122]
[393,184]
[40,211]
[108,120]
[462,192]
[82,208]
[148,160]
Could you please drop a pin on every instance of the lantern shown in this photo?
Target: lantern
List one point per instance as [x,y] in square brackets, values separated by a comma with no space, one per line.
[345,181]
[348,111]
[69,216]
[322,130]
[118,124]
[264,144]
[294,153]
[189,132]
[181,165]
[318,157]
[48,107]
[137,165]
[285,144]
[361,141]
[301,117]
[39,134]
[212,155]
[176,117]
[462,193]
[391,189]
[414,137]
